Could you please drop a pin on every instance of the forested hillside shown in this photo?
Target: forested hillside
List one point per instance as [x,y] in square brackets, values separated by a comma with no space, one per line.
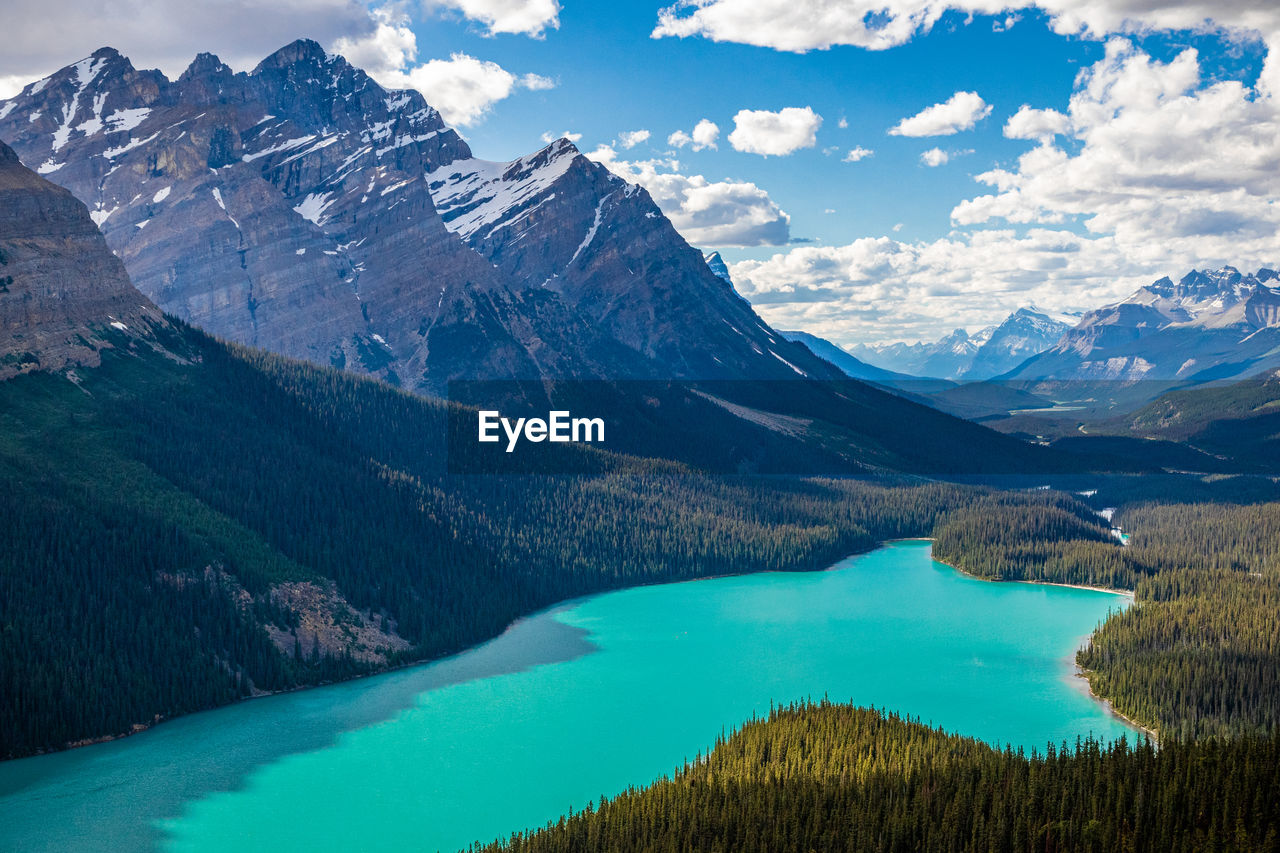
[835,778]
[1197,659]
[1200,654]
[188,528]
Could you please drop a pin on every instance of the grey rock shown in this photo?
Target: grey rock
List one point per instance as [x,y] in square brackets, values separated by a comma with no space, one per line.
[63,296]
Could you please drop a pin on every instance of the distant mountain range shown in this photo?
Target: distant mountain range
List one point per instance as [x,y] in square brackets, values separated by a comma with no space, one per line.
[302,208]
[1210,325]
[961,356]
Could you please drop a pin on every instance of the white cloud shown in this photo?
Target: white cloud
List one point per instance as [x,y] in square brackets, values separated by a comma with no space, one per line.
[934,157]
[632,138]
[12,84]
[842,123]
[879,289]
[1165,169]
[856,154]
[704,135]
[802,25]
[777,133]
[550,137]
[1157,156]
[959,112]
[462,88]
[527,17]
[386,49]
[536,83]
[1028,123]
[706,213]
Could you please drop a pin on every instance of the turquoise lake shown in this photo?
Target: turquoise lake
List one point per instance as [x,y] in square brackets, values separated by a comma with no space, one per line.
[570,704]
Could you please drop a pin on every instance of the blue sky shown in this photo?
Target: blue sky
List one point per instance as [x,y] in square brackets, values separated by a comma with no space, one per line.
[1161,151]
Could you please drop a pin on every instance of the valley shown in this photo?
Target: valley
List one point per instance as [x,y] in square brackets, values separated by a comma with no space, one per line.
[363,493]
[435,747]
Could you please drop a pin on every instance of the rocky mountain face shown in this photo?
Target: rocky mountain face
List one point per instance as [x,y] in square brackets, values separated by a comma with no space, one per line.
[1023,334]
[560,223]
[1210,325]
[983,355]
[302,208]
[63,296]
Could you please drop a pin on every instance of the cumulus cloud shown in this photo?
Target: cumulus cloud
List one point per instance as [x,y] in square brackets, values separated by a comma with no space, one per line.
[959,112]
[632,138]
[1166,170]
[803,25]
[1156,156]
[463,88]
[879,289]
[856,154]
[777,133]
[526,17]
[1028,123]
[705,212]
[934,157]
[704,135]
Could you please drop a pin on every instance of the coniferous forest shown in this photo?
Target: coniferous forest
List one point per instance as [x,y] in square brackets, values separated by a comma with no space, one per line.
[149,497]
[158,510]
[1196,660]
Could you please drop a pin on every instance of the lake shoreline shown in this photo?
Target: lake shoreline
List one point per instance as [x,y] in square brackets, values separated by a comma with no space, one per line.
[139,728]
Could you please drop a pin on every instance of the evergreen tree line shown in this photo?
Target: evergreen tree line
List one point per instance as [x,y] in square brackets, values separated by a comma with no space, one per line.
[151,507]
[825,777]
[1199,654]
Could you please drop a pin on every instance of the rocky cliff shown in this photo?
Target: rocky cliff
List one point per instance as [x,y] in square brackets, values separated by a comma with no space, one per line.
[304,209]
[63,295]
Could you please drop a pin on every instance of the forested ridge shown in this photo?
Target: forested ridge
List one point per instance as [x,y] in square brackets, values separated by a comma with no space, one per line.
[1200,654]
[1197,659]
[155,510]
[829,777]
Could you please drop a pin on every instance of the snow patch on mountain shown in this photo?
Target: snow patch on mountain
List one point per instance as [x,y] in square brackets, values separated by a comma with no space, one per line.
[475,195]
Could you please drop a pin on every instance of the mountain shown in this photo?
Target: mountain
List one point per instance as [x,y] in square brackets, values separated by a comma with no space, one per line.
[189,522]
[302,208]
[1213,428]
[716,264]
[1024,333]
[850,366]
[983,355]
[1210,325]
[63,296]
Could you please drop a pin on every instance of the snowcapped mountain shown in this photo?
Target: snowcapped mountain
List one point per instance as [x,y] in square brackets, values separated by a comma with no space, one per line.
[561,223]
[63,296]
[302,208]
[1024,333]
[1214,324]
[959,355]
[716,264]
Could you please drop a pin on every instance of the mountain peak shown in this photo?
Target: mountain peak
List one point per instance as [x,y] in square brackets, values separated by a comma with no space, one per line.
[301,51]
[717,265]
[204,64]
